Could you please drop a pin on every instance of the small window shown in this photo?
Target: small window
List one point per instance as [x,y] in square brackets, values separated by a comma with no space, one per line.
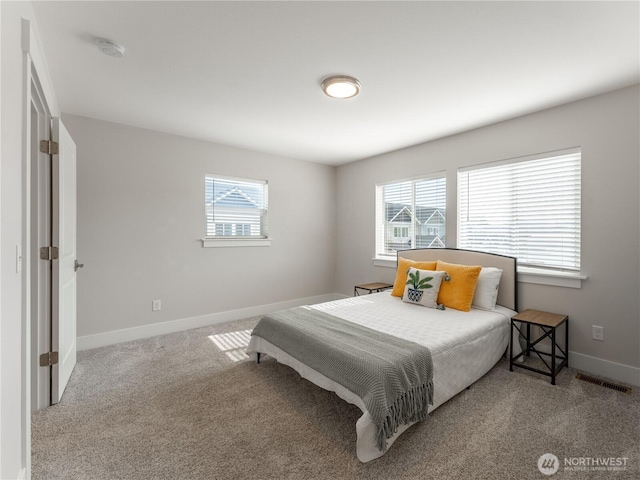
[243,229]
[401,232]
[528,208]
[223,229]
[410,214]
[236,208]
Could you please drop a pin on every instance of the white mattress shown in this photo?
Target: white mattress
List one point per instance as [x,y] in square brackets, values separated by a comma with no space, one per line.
[464,346]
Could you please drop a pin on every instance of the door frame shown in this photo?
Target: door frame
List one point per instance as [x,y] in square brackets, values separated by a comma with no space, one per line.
[33,66]
[41,224]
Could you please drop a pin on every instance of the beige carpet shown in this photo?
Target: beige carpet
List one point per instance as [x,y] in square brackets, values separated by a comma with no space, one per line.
[191,406]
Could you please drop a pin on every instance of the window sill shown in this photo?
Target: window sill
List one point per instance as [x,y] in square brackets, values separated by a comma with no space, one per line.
[546,277]
[384,262]
[238,242]
[525,275]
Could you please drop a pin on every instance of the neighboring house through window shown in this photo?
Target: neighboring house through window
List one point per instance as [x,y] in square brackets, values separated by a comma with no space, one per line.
[236,208]
[410,214]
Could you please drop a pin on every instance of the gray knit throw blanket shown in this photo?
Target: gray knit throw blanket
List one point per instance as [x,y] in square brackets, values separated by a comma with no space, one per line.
[392,376]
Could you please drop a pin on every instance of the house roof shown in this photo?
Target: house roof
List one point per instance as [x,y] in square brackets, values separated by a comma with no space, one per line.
[235,197]
[401,213]
[426,241]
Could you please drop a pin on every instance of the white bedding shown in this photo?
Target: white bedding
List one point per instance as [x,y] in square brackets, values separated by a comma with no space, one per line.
[464,346]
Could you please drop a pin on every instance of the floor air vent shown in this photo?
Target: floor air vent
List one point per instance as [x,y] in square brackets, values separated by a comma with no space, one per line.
[603,383]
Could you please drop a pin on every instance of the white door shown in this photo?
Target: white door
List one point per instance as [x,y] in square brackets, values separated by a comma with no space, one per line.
[63,321]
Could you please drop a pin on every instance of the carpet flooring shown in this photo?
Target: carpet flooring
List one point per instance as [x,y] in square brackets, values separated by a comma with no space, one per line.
[190,405]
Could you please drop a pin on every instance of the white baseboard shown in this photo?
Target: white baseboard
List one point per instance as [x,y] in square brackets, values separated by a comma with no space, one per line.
[23,474]
[604,368]
[599,367]
[125,335]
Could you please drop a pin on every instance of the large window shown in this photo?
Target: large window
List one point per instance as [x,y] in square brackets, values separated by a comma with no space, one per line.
[236,208]
[410,214]
[527,208]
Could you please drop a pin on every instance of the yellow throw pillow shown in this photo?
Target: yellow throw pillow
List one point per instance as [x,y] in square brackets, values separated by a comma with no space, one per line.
[458,291]
[401,273]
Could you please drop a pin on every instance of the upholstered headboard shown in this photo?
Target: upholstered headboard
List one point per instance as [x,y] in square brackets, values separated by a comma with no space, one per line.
[508,291]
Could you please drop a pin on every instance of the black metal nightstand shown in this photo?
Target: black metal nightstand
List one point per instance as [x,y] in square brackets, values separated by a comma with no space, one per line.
[371,287]
[548,322]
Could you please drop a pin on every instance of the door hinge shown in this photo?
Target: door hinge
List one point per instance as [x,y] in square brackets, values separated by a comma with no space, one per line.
[49,147]
[48,359]
[48,253]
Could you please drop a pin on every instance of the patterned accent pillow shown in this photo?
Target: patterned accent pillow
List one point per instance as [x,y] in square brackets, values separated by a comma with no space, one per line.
[458,292]
[401,273]
[422,287]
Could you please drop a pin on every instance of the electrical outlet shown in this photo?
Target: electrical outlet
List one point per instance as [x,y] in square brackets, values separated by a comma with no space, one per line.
[156,305]
[597,333]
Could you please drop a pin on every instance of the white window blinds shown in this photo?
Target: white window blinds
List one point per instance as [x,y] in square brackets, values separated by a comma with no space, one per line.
[527,208]
[235,207]
[410,214]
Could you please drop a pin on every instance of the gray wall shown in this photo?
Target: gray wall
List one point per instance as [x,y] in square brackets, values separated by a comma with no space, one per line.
[606,127]
[141,218]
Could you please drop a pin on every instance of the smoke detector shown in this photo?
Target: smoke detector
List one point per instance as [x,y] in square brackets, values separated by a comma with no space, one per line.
[111,49]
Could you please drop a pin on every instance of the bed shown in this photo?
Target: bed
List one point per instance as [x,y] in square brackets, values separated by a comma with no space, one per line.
[463,345]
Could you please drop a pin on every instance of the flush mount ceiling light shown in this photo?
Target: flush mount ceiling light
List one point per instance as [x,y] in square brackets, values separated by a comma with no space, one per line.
[110,48]
[341,86]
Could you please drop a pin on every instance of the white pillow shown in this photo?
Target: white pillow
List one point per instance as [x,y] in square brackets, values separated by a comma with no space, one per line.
[486,292]
[422,287]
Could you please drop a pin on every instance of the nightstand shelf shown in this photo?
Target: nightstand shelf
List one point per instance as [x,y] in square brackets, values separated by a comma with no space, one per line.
[371,287]
[548,323]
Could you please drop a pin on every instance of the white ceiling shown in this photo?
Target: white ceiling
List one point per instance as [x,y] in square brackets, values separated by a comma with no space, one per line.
[248,74]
